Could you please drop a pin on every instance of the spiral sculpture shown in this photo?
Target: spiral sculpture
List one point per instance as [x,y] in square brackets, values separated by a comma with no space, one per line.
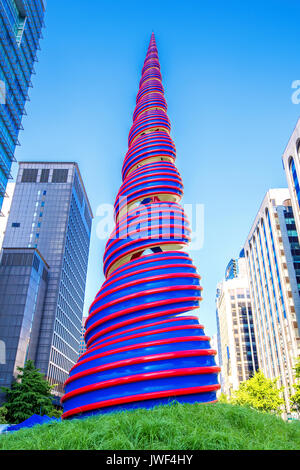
[144,348]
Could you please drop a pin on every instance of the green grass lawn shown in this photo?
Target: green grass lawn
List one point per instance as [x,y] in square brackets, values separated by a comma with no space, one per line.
[174,427]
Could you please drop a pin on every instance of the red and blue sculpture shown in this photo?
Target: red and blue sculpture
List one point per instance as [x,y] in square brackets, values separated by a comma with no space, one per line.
[144,348]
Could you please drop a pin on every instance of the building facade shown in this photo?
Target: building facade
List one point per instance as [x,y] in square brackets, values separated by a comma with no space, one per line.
[291,163]
[236,338]
[21,23]
[23,286]
[6,210]
[272,254]
[50,212]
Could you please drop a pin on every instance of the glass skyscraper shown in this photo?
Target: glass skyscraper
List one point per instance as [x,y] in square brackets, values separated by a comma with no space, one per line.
[50,212]
[23,285]
[21,22]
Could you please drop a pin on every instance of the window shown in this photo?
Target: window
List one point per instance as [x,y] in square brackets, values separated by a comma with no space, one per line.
[298,148]
[88,217]
[60,176]
[45,176]
[29,176]
[78,189]
[16,16]
[36,263]
[17,259]
[295,179]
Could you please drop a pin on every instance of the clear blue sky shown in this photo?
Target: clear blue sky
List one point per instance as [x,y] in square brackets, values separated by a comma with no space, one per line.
[227,67]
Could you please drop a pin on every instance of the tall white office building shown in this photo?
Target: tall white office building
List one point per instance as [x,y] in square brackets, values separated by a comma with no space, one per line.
[236,339]
[272,254]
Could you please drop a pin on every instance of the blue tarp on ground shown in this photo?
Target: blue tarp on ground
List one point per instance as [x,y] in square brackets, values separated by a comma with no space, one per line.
[3,427]
[30,422]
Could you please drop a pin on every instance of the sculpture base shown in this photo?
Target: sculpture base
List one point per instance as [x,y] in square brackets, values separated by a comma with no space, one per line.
[203,398]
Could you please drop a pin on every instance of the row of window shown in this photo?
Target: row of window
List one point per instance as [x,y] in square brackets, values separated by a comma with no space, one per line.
[30,175]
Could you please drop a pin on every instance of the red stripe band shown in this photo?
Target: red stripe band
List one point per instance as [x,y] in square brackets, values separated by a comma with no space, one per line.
[142,281]
[140,378]
[142,360]
[141,397]
[160,303]
[136,295]
[153,244]
[141,327]
[148,344]
[165,256]
[110,282]
[146,333]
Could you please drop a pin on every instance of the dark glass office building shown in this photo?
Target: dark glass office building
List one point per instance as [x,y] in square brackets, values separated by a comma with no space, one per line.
[23,285]
[50,212]
[21,22]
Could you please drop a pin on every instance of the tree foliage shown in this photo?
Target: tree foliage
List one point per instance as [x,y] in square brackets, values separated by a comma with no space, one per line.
[3,414]
[260,393]
[30,394]
[295,399]
[55,413]
[223,398]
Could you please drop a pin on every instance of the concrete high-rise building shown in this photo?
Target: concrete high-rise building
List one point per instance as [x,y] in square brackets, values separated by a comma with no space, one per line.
[21,22]
[23,285]
[236,339]
[272,253]
[50,212]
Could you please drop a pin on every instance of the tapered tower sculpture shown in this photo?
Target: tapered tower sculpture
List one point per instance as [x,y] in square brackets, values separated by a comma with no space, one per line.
[144,348]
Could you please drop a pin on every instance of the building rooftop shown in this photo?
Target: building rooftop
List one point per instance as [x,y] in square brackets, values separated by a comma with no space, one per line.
[62,163]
